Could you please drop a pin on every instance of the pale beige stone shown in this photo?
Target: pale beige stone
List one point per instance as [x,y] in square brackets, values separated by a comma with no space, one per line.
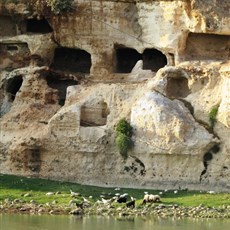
[67,132]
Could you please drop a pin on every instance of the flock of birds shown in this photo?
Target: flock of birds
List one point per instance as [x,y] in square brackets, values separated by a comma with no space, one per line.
[118,198]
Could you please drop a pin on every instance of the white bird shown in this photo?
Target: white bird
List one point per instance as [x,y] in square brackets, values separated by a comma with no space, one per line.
[124,195]
[49,193]
[105,201]
[160,193]
[117,189]
[175,192]
[211,192]
[145,193]
[85,200]
[73,193]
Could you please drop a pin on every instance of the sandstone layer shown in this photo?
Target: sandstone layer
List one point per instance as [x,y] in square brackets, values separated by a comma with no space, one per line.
[67,79]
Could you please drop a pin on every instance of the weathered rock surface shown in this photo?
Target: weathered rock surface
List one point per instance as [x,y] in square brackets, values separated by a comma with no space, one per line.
[66,80]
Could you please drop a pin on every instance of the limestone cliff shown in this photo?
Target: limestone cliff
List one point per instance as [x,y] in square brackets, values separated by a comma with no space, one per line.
[67,79]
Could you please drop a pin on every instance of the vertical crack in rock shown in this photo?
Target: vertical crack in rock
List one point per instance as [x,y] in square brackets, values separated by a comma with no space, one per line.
[208,156]
[141,164]
[188,105]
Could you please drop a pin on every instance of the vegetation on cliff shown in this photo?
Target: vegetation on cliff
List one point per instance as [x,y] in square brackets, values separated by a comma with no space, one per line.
[124,132]
[59,6]
[56,6]
[212,115]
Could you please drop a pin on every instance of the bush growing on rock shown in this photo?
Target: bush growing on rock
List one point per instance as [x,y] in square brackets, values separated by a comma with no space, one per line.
[59,6]
[212,115]
[124,127]
[124,133]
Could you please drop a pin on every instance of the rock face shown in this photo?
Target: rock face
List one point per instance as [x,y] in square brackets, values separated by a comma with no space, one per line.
[67,79]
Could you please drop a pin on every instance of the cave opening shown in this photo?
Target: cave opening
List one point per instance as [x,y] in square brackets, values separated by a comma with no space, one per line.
[60,84]
[13,85]
[71,60]
[153,59]
[177,87]
[94,114]
[38,26]
[126,58]
[12,48]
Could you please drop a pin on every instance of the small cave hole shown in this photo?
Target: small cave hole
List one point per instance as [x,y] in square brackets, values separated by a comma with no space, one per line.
[71,60]
[94,115]
[38,26]
[55,82]
[12,47]
[177,87]
[126,58]
[153,59]
[13,85]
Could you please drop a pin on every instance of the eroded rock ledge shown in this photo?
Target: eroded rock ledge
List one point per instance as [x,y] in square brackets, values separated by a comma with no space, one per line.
[66,80]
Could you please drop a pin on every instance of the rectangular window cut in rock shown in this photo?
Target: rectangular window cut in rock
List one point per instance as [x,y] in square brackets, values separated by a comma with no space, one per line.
[207,47]
[177,87]
[94,114]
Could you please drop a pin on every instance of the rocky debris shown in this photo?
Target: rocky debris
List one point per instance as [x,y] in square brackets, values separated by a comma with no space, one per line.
[160,210]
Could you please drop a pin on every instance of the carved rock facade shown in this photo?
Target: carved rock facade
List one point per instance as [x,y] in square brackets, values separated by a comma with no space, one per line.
[66,80]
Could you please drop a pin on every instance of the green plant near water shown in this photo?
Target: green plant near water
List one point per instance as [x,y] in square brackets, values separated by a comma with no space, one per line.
[212,115]
[124,132]
[59,6]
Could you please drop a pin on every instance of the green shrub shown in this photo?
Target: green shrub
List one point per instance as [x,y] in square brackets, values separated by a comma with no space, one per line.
[212,115]
[124,133]
[124,143]
[59,6]
[124,127]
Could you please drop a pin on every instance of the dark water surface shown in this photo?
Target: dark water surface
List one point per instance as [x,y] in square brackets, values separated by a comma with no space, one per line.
[47,222]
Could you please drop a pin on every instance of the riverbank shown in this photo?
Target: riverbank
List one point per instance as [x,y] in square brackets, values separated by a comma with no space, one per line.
[39,196]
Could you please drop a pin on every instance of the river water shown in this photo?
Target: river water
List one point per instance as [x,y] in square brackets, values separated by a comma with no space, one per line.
[47,222]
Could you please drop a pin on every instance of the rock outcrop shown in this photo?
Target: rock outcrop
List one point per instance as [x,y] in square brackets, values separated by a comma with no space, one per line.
[67,79]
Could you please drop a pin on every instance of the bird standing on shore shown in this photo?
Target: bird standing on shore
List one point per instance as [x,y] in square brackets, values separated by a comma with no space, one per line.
[73,194]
